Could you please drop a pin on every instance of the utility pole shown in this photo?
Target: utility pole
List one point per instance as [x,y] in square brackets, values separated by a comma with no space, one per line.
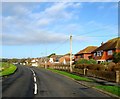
[71,69]
[46,59]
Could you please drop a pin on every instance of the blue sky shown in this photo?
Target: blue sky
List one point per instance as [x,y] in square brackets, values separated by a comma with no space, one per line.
[42,28]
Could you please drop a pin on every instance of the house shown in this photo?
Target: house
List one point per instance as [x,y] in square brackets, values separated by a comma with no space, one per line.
[55,58]
[66,59]
[106,50]
[34,62]
[86,53]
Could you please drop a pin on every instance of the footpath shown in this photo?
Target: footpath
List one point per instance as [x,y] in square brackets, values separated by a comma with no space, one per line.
[100,82]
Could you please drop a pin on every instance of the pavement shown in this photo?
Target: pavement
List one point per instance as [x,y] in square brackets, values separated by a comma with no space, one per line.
[37,82]
[103,82]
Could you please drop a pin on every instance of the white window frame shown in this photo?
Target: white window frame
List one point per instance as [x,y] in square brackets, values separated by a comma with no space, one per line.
[110,52]
[99,53]
[94,54]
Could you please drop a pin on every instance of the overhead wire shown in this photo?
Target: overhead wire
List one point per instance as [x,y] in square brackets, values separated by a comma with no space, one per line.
[99,29]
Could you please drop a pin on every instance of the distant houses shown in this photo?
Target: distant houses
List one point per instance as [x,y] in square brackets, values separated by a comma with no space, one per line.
[54,59]
[103,53]
[65,60]
[34,62]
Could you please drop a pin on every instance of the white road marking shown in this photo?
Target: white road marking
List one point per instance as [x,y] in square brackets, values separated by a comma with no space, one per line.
[35,91]
[35,80]
[33,74]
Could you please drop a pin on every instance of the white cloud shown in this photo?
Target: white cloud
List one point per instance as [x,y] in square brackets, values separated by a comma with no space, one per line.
[60,0]
[31,38]
[22,26]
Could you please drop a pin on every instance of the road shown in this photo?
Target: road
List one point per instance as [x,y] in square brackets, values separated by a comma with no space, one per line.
[35,82]
[19,84]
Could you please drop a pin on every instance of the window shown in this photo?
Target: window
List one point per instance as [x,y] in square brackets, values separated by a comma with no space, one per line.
[99,53]
[94,54]
[110,52]
[81,56]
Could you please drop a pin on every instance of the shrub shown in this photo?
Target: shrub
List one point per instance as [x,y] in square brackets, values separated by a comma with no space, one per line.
[105,63]
[116,57]
[90,66]
[92,61]
[116,67]
[85,61]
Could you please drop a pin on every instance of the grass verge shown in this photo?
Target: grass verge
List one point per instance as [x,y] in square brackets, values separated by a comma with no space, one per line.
[112,89]
[71,75]
[6,69]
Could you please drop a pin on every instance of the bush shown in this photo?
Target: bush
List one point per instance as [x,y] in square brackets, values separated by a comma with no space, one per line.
[92,61]
[105,63]
[85,61]
[82,61]
[90,66]
[116,57]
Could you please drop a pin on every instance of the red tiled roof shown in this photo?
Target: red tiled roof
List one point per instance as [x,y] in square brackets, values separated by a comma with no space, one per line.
[109,45]
[88,49]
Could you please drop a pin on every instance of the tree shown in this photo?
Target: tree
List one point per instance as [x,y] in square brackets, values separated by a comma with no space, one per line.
[23,60]
[116,57]
[51,55]
[14,60]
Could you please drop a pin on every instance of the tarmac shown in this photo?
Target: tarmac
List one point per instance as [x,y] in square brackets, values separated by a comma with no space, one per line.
[99,82]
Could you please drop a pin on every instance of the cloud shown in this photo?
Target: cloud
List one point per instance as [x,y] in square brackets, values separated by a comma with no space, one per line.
[25,24]
[38,38]
[61,0]
[21,25]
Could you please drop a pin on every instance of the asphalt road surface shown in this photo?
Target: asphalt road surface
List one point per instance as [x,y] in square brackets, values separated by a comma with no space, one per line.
[35,82]
[19,84]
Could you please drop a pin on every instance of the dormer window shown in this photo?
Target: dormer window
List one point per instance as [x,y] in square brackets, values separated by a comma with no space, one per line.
[110,52]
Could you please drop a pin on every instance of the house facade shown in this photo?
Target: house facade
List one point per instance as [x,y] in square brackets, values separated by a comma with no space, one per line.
[34,62]
[54,59]
[86,53]
[105,51]
[66,59]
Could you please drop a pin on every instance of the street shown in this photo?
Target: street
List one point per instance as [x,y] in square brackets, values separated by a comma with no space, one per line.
[48,84]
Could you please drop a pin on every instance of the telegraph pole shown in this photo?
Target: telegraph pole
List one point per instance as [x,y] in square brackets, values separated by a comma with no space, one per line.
[46,59]
[71,69]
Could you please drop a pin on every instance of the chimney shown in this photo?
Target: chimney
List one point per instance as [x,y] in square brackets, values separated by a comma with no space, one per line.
[102,43]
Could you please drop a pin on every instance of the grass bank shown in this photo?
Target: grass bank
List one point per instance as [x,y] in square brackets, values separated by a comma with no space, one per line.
[71,75]
[6,68]
[112,89]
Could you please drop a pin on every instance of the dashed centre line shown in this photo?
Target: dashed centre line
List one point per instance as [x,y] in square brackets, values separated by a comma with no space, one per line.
[35,80]
[35,91]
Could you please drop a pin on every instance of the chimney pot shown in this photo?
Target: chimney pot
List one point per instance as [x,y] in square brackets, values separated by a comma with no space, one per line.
[102,43]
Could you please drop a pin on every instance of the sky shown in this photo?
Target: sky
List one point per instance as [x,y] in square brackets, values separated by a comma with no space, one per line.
[36,29]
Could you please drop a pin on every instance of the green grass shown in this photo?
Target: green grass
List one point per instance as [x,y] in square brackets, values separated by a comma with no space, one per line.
[71,75]
[6,69]
[112,89]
